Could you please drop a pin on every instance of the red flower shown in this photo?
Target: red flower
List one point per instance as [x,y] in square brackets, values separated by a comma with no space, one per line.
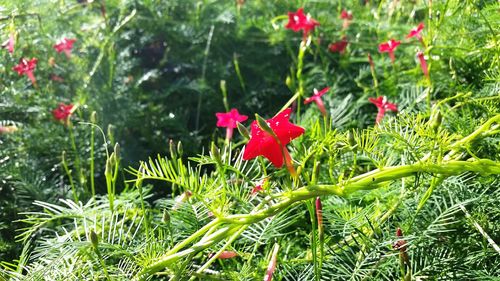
[316,97]
[416,32]
[229,120]
[262,143]
[319,214]
[298,21]
[347,17]
[63,112]
[65,45]
[382,105]
[389,47]
[339,46]
[423,64]
[26,67]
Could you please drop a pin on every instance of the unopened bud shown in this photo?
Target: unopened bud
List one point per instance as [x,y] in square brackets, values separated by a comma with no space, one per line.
[171,148]
[179,149]
[272,263]
[436,120]
[350,139]
[109,166]
[319,216]
[94,239]
[243,130]
[166,217]
[215,153]
[93,117]
[117,151]
[288,82]
[264,126]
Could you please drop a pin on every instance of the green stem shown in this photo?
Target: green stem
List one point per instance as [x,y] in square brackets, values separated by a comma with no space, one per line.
[92,144]
[367,181]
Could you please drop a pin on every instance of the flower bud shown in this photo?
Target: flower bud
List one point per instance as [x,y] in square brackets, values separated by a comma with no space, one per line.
[166,217]
[179,149]
[272,263]
[264,126]
[215,153]
[288,82]
[94,239]
[243,130]
[93,117]
[117,151]
[171,148]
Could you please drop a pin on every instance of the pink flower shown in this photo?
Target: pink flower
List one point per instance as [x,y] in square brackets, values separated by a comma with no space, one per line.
[271,267]
[9,44]
[347,17]
[227,255]
[339,46]
[8,129]
[65,45]
[389,47]
[416,32]
[263,143]
[258,188]
[63,112]
[229,120]
[423,64]
[26,67]
[316,97]
[382,105]
[298,21]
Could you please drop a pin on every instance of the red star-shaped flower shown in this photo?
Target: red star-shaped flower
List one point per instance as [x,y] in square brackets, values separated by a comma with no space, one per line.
[26,67]
[65,45]
[229,120]
[382,105]
[416,32]
[63,112]
[339,46]
[316,97]
[298,21]
[262,143]
[389,47]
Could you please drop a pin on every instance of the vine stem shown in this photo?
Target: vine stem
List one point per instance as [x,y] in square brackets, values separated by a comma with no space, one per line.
[367,181]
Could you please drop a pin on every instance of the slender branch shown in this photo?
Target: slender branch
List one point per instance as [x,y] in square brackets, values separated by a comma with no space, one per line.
[367,181]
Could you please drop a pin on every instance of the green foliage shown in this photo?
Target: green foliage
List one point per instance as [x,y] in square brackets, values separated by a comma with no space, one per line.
[152,71]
